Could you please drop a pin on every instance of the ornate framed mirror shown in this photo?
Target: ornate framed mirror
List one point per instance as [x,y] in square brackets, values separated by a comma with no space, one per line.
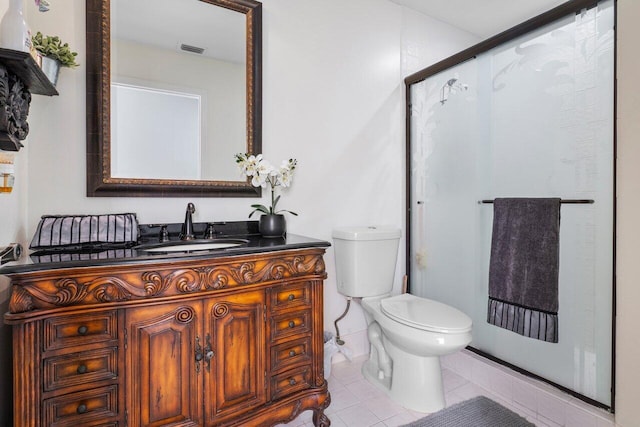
[174,90]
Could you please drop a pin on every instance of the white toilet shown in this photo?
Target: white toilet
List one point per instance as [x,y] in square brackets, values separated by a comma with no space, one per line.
[408,334]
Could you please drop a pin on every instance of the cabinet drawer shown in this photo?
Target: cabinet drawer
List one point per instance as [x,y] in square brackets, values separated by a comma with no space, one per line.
[295,295]
[87,408]
[80,368]
[290,353]
[290,381]
[66,331]
[288,324]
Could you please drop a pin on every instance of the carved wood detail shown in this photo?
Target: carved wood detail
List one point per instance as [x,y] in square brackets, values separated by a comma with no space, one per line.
[15,99]
[220,310]
[185,315]
[69,291]
[294,412]
[20,300]
[123,285]
[320,419]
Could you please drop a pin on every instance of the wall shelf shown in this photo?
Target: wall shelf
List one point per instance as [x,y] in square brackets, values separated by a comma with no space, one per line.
[20,76]
[27,69]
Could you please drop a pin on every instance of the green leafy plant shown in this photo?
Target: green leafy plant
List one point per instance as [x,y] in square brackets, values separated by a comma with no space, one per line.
[52,47]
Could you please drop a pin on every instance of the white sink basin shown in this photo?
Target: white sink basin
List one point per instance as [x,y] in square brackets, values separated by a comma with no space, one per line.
[192,245]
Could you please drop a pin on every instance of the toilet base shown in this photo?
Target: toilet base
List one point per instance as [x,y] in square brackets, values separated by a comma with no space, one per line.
[371,372]
[415,382]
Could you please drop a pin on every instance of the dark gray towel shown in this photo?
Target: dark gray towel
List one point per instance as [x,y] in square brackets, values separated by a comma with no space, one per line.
[523,270]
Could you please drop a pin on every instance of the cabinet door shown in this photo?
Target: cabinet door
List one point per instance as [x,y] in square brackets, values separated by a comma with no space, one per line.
[164,379]
[235,379]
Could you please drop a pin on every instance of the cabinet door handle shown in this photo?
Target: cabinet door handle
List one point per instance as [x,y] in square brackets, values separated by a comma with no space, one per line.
[82,369]
[291,297]
[81,409]
[199,355]
[82,330]
[205,354]
[292,324]
[292,381]
[208,353]
[292,353]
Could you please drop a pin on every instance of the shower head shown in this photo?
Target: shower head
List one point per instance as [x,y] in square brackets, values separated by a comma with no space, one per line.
[451,86]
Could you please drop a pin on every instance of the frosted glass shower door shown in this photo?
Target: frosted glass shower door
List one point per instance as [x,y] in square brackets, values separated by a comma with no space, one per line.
[532,117]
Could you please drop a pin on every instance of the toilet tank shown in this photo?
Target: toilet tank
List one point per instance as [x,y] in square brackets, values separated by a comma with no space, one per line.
[365,259]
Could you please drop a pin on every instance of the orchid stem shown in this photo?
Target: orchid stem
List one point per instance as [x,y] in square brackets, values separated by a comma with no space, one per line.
[273,200]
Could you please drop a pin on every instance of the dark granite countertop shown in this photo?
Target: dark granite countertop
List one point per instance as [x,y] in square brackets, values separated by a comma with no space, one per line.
[114,255]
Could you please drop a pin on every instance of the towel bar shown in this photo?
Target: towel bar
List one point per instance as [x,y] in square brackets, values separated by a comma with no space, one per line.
[569,201]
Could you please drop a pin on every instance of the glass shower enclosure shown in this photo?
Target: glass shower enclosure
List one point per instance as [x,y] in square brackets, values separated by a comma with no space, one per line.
[528,113]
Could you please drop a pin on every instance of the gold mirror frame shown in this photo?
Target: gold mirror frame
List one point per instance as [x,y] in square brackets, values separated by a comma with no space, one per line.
[98,57]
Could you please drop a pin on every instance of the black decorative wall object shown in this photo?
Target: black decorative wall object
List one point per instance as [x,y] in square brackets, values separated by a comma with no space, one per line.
[20,76]
[14,109]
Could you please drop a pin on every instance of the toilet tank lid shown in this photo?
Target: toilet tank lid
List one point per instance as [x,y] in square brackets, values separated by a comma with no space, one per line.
[374,232]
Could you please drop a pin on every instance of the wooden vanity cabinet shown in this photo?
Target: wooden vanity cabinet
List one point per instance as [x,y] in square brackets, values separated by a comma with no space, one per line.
[226,341]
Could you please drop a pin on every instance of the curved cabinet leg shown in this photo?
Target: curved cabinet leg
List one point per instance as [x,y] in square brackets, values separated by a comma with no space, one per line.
[320,419]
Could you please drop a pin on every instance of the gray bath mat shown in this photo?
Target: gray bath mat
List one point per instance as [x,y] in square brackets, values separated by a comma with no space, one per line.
[477,412]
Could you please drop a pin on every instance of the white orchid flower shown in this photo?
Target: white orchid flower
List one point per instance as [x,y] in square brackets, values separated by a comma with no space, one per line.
[259,181]
[264,175]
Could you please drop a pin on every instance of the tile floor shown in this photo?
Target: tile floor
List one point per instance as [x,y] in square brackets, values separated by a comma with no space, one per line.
[357,403]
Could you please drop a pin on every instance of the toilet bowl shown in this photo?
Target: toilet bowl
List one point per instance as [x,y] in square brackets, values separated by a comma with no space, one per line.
[415,333]
[407,333]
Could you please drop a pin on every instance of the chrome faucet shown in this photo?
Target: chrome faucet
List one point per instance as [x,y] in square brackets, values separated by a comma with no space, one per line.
[187,227]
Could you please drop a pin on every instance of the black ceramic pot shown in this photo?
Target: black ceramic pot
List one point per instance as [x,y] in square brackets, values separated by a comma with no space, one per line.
[272,226]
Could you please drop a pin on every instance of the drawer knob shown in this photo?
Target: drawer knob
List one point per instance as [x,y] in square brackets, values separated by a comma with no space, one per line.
[82,369]
[291,297]
[82,408]
[292,381]
[292,324]
[82,330]
[292,353]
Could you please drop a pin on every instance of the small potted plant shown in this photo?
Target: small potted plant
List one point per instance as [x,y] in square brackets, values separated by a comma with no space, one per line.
[53,54]
[263,174]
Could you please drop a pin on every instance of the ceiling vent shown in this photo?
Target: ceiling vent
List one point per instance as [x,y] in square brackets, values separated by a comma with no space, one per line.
[192,49]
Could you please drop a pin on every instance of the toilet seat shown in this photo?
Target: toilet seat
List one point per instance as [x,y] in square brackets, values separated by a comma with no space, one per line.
[425,314]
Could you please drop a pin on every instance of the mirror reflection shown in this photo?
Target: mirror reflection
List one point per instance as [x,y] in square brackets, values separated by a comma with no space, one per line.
[177,75]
